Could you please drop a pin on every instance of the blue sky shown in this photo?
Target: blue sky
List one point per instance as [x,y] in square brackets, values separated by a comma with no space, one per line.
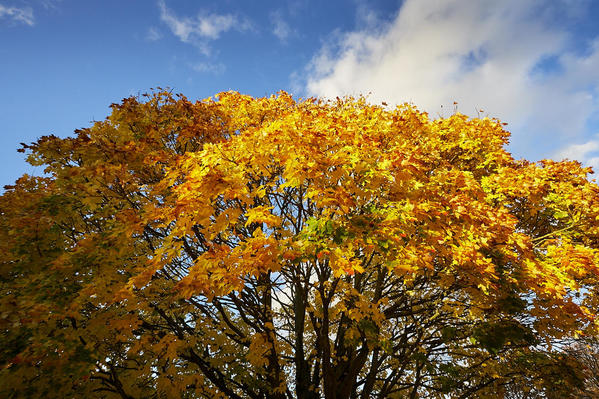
[533,64]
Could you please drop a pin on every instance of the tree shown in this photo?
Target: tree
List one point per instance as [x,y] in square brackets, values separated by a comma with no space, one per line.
[586,351]
[247,247]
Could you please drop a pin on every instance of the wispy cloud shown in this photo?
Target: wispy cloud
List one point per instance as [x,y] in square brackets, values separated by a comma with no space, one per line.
[202,28]
[206,67]
[153,34]
[50,4]
[280,28]
[483,54]
[18,14]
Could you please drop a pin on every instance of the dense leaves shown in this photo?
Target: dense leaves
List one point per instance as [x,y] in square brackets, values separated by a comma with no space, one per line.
[267,248]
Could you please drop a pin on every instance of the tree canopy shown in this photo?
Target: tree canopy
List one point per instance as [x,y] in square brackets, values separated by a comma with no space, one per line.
[241,247]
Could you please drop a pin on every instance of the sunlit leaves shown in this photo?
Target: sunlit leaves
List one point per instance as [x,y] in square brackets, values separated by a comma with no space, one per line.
[268,247]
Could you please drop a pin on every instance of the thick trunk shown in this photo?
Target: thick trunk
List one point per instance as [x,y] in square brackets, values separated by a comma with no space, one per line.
[302,367]
[274,376]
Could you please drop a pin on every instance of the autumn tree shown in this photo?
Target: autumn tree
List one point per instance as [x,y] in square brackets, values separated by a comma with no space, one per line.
[241,247]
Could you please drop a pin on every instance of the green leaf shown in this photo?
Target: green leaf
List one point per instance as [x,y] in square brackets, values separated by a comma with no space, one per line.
[560,215]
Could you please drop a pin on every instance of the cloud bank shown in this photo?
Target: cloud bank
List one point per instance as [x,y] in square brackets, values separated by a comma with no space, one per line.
[512,59]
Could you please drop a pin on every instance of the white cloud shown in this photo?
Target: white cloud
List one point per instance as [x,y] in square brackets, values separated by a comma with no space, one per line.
[281,28]
[593,163]
[483,54]
[579,151]
[587,153]
[23,14]
[201,28]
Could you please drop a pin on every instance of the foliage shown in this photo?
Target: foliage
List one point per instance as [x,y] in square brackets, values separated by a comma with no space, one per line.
[265,247]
